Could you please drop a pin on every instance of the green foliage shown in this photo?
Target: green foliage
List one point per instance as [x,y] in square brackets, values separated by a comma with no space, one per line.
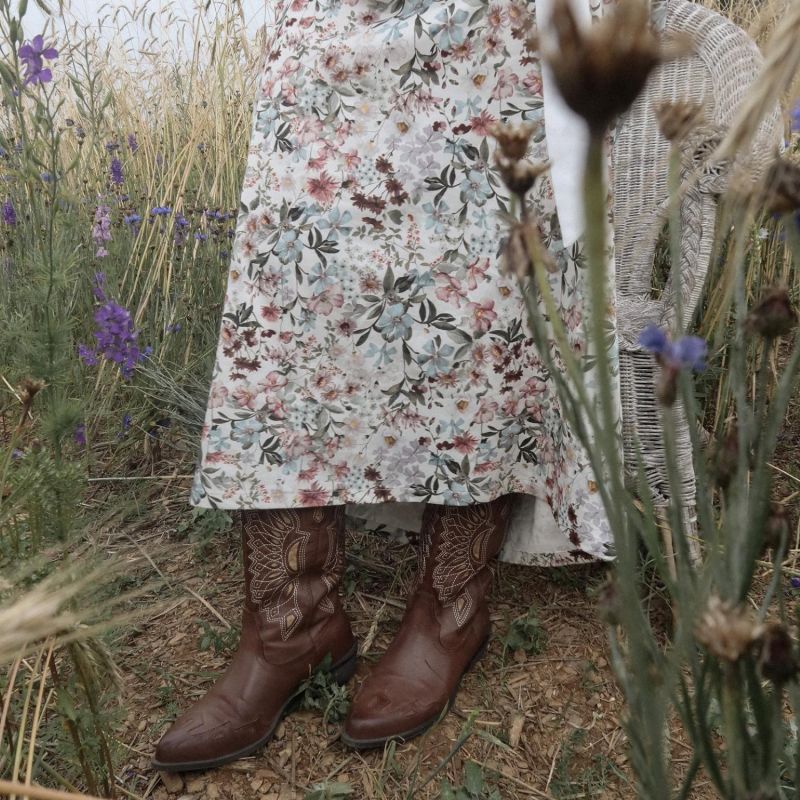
[205,527]
[588,780]
[526,634]
[330,790]
[217,640]
[321,692]
[474,787]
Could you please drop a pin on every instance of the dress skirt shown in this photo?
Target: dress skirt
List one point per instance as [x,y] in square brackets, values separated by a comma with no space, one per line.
[372,350]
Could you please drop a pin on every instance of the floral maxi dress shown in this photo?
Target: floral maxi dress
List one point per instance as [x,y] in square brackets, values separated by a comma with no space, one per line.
[371,348]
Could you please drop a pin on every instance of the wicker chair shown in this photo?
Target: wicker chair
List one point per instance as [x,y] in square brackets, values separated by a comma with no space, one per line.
[717,75]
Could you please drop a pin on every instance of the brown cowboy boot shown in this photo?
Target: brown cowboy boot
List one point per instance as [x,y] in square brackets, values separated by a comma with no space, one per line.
[292,619]
[444,630]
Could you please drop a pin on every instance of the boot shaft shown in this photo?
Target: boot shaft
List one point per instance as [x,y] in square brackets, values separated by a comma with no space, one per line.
[293,563]
[457,545]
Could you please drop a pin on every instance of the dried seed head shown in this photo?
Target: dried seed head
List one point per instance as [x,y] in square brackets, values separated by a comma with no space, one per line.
[518,175]
[513,140]
[726,632]
[602,70]
[772,315]
[667,385]
[677,120]
[777,527]
[777,659]
[28,389]
[726,457]
[782,187]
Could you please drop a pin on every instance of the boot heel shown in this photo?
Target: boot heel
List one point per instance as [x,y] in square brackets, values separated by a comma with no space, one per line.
[346,668]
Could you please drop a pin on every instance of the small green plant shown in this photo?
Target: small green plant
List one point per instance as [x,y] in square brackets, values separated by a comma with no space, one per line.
[329,790]
[526,634]
[474,787]
[588,781]
[204,528]
[321,692]
[219,641]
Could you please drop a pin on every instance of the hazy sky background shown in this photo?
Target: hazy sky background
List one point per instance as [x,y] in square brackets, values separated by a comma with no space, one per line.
[256,13]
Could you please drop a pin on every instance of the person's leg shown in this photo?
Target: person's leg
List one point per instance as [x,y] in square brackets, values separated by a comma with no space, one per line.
[444,629]
[292,618]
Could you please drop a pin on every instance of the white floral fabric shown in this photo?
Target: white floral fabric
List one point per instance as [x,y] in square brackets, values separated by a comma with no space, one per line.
[371,348]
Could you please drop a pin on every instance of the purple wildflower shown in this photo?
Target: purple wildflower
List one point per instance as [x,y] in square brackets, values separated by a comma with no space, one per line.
[112,147]
[160,211]
[173,327]
[99,288]
[9,213]
[688,352]
[795,581]
[132,143]
[80,434]
[88,355]
[31,54]
[101,230]
[200,236]
[795,116]
[116,172]
[16,454]
[127,419]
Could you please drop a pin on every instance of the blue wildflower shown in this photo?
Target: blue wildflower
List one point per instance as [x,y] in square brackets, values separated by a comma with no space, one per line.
[160,211]
[688,352]
[31,54]
[795,116]
[116,339]
[795,581]
[132,219]
[9,213]
[80,434]
[133,144]
[200,236]
[99,288]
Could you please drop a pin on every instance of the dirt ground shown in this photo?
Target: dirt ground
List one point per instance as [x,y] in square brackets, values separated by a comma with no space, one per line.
[546,723]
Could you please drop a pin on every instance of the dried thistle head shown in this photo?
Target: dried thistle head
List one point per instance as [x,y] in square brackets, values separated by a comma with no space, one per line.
[519,176]
[513,140]
[777,660]
[773,315]
[677,120]
[602,70]
[782,187]
[727,632]
[27,390]
[777,526]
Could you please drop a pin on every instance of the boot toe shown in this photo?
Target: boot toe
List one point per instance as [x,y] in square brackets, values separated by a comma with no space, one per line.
[192,740]
[393,709]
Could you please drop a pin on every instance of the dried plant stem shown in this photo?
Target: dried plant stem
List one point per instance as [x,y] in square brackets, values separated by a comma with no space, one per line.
[23,791]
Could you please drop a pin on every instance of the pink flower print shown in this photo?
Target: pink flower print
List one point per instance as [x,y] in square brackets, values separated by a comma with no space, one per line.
[483,315]
[246,397]
[326,301]
[451,291]
[497,16]
[573,317]
[511,406]
[218,396]
[506,81]
[534,387]
[476,272]
[487,410]
[270,313]
[533,82]
[323,188]
[481,123]
[315,496]
[465,442]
